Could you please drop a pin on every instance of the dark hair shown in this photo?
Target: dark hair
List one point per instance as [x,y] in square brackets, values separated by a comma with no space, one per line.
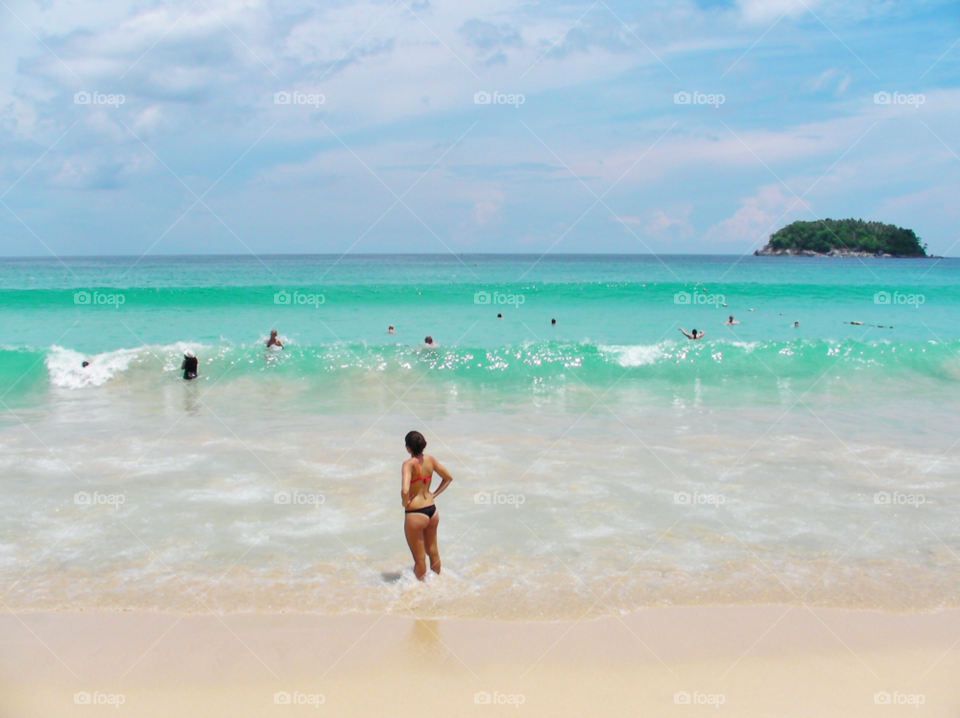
[428,340]
[694,332]
[415,442]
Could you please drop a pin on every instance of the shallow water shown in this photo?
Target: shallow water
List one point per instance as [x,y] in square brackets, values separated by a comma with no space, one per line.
[602,464]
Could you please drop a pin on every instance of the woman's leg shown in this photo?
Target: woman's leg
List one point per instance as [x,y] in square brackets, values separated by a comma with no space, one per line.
[413,528]
[430,541]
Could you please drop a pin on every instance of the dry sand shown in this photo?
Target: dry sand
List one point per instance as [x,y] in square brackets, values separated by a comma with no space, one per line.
[747,660]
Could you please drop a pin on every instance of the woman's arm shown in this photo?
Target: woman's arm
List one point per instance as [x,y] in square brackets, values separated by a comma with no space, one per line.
[406,476]
[444,474]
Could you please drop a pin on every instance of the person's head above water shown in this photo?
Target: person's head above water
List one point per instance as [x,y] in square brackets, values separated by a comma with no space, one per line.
[428,339]
[553,321]
[273,332]
[415,443]
[390,329]
[731,318]
[85,364]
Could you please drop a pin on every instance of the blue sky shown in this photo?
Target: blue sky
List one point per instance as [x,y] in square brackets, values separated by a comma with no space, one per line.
[399,157]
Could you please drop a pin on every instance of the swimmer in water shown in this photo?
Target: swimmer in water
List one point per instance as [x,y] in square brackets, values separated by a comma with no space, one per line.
[85,364]
[420,512]
[274,340]
[692,335]
[553,321]
[190,365]
[796,324]
[499,316]
[731,320]
[428,340]
[390,329]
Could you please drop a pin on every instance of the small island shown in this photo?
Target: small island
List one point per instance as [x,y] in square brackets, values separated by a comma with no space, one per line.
[843,238]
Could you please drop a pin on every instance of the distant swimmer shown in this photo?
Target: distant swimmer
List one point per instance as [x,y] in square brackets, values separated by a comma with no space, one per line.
[499,316]
[190,365]
[274,340]
[390,329]
[553,321]
[692,335]
[731,320]
[796,324]
[421,518]
[428,340]
[85,364]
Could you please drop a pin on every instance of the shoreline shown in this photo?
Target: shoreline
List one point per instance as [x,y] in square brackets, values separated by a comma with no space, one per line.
[784,660]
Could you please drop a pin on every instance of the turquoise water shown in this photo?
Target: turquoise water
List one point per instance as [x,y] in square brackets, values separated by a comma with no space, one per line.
[612,313]
[599,422]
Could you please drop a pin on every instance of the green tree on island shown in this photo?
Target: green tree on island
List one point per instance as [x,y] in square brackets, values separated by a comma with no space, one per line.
[843,236]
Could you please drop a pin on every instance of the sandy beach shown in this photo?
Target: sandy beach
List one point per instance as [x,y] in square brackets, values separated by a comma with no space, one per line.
[750,661]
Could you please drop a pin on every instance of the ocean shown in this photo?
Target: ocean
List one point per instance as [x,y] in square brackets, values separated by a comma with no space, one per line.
[602,464]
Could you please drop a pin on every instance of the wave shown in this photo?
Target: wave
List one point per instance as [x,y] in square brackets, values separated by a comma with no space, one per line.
[510,367]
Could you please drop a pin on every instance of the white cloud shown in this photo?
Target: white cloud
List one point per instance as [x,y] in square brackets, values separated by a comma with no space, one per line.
[757,217]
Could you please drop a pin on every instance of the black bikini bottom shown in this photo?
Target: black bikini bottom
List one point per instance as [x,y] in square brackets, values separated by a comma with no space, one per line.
[427,511]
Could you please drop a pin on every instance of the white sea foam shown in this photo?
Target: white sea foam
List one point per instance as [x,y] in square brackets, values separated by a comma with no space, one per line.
[635,355]
[67,371]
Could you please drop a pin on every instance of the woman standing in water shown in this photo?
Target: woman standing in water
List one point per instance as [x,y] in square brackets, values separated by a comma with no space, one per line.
[421,519]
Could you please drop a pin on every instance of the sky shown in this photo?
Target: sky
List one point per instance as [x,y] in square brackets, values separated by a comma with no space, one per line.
[386,144]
